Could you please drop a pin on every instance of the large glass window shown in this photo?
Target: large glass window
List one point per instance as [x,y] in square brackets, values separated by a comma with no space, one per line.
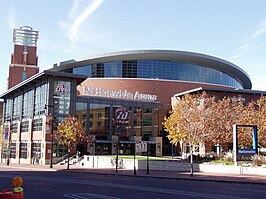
[99,125]
[113,69]
[27,104]
[8,109]
[97,70]
[81,110]
[159,69]
[36,151]
[129,69]
[17,107]
[40,99]
[83,70]
[137,121]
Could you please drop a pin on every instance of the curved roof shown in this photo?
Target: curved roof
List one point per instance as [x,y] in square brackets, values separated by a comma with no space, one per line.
[168,55]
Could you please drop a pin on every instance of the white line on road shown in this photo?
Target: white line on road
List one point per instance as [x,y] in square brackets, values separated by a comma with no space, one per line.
[89,196]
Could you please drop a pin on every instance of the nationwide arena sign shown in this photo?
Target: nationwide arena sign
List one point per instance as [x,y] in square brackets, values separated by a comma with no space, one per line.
[121,94]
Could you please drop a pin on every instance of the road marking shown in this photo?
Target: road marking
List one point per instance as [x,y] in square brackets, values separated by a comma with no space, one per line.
[88,196]
[132,187]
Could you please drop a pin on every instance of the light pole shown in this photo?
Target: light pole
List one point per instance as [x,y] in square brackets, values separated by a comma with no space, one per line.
[8,151]
[117,147]
[148,167]
[135,172]
[52,135]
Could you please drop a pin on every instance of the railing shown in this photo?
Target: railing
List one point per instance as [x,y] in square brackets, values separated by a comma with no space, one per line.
[72,160]
[61,159]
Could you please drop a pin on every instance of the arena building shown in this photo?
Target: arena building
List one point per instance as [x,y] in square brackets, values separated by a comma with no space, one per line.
[120,96]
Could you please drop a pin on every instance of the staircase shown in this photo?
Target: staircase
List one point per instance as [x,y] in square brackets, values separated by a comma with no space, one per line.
[73,160]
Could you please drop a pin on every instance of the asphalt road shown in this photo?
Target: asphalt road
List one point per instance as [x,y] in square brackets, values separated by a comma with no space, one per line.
[67,184]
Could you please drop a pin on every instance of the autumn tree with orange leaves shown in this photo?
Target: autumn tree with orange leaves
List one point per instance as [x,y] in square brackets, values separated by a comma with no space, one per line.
[70,132]
[255,114]
[186,124]
[199,118]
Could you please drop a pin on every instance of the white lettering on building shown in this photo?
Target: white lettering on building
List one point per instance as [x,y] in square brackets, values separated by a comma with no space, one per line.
[121,94]
[61,88]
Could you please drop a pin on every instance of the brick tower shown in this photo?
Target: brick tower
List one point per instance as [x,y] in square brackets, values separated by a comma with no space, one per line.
[24,58]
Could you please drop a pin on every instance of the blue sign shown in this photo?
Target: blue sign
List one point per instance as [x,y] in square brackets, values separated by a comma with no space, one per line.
[244,151]
[6,133]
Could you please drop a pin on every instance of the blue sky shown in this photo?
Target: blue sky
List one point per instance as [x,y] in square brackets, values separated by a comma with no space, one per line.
[231,30]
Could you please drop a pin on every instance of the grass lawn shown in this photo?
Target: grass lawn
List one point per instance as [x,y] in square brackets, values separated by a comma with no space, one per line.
[220,161]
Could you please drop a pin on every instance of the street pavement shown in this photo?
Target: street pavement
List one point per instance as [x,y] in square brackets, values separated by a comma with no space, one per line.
[197,176]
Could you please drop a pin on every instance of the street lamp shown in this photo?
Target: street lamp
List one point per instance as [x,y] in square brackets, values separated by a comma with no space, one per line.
[52,135]
[8,151]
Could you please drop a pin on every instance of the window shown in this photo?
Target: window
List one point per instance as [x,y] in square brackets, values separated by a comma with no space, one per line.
[97,70]
[13,150]
[159,69]
[147,121]
[101,113]
[23,149]
[83,70]
[37,124]
[40,99]
[147,110]
[17,107]
[8,109]
[112,69]
[14,127]
[24,126]
[27,104]
[24,75]
[36,150]
[129,69]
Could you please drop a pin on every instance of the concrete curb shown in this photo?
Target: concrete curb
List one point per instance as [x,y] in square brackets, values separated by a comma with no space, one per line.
[204,177]
[28,168]
[194,178]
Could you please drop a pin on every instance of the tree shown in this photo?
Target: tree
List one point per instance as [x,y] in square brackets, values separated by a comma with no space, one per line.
[70,132]
[255,114]
[223,114]
[186,122]
[262,121]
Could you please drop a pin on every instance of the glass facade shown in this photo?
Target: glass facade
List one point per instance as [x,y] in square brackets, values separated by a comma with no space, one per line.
[156,69]
[99,120]
[27,104]
[17,107]
[8,109]
[40,99]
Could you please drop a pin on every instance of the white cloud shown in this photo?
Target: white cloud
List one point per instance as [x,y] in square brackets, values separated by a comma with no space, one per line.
[250,41]
[11,19]
[78,14]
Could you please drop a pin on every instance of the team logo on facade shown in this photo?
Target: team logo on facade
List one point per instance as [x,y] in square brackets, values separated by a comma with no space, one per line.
[121,116]
[61,89]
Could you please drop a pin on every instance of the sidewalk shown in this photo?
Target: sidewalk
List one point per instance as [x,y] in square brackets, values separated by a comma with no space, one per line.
[198,176]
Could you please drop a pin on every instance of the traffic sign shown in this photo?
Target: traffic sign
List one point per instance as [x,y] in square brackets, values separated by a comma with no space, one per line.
[141,147]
